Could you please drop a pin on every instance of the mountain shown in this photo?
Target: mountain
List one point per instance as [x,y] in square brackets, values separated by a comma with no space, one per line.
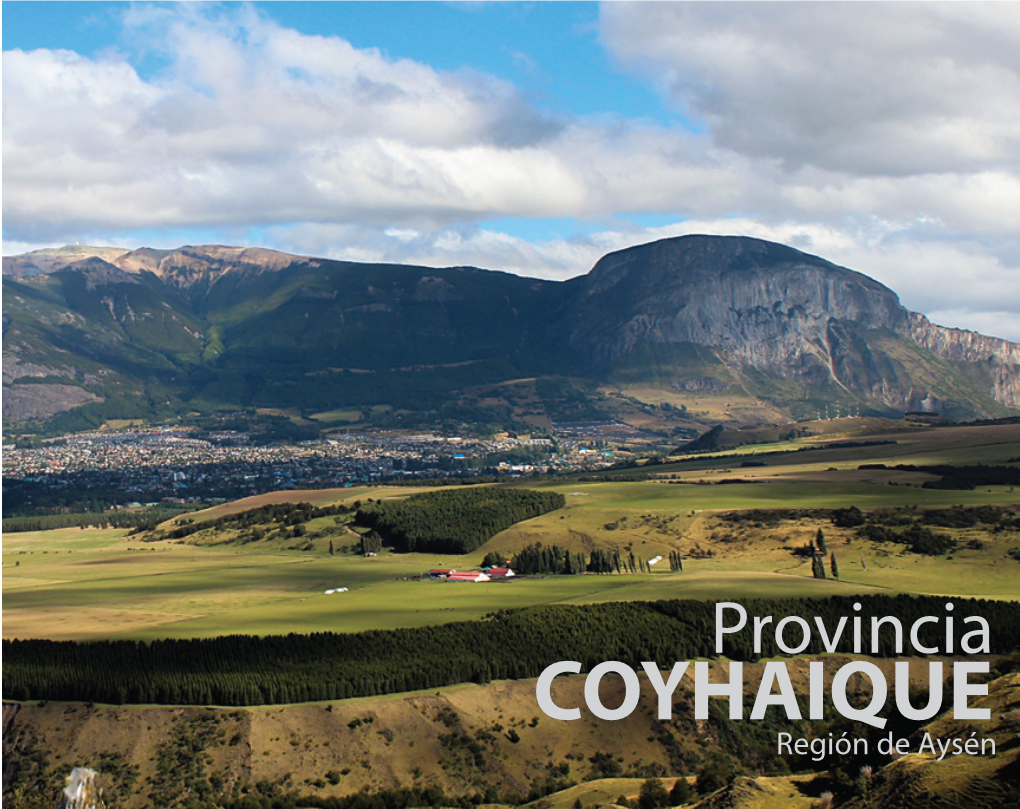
[772,315]
[94,333]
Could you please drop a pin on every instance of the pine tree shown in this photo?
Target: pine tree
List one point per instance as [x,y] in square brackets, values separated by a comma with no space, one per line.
[818,568]
[834,566]
[820,541]
[332,552]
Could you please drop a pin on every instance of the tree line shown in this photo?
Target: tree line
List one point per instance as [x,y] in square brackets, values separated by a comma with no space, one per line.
[145,518]
[552,559]
[248,670]
[284,514]
[456,520]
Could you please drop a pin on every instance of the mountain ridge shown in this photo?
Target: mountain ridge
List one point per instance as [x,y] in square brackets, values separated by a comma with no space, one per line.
[209,327]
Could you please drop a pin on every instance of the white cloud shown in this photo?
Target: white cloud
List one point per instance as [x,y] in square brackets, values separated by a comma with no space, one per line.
[864,88]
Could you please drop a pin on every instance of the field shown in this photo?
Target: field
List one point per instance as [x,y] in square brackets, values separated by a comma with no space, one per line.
[98,584]
[76,584]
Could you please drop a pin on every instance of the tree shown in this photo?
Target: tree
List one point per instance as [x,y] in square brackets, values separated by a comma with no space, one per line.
[653,795]
[714,775]
[332,551]
[848,517]
[834,566]
[680,793]
[820,541]
[818,567]
[371,543]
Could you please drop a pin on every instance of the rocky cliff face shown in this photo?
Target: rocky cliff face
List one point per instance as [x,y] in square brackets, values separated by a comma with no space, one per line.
[187,265]
[768,308]
[765,305]
[999,358]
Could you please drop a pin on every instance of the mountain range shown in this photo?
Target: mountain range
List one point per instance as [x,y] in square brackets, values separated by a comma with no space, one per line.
[96,333]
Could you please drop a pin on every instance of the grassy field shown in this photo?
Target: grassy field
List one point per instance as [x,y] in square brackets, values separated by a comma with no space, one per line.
[91,584]
[74,583]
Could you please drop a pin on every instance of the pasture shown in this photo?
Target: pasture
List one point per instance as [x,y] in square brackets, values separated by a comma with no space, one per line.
[91,583]
[78,584]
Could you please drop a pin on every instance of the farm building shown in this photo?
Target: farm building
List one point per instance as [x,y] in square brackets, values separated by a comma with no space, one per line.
[441,573]
[501,572]
[475,575]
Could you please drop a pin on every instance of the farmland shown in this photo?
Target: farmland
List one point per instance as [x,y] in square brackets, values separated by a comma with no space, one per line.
[99,583]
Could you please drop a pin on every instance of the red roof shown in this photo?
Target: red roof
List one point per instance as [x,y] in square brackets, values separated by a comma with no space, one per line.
[468,576]
[499,571]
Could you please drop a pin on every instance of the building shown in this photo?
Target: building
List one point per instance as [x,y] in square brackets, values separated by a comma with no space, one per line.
[474,575]
[500,572]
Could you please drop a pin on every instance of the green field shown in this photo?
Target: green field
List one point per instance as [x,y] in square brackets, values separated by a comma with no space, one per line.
[74,583]
[100,584]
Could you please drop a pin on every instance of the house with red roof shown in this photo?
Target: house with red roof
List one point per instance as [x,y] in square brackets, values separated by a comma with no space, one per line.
[501,572]
[472,575]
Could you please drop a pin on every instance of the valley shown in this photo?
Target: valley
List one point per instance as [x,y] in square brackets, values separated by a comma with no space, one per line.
[217,459]
[93,583]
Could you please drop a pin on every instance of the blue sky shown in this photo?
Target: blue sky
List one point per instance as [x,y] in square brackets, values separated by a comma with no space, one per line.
[530,137]
[551,50]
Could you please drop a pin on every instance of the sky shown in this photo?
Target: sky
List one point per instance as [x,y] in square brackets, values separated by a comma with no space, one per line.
[528,137]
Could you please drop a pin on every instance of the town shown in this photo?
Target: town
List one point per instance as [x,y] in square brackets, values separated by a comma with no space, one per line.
[183,465]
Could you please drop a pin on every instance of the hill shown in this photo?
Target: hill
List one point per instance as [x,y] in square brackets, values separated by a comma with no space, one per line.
[92,334]
[487,742]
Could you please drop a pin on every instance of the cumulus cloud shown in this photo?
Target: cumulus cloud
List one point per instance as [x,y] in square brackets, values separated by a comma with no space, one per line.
[876,88]
[253,122]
